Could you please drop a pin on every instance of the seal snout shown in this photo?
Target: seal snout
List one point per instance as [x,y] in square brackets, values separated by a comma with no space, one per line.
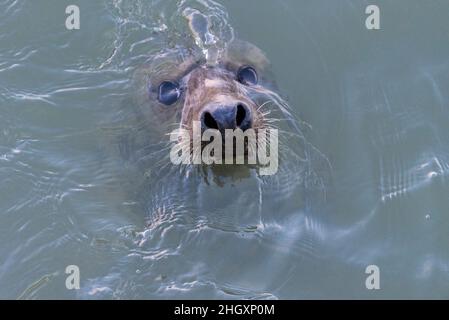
[224,117]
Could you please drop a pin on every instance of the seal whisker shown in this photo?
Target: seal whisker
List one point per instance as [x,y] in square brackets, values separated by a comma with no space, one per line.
[262,105]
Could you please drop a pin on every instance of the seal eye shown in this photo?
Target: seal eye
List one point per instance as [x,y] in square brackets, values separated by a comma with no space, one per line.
[169,92]
[247,75]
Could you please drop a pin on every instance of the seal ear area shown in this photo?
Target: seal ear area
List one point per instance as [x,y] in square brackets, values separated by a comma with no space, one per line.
[239,53]
[171,65]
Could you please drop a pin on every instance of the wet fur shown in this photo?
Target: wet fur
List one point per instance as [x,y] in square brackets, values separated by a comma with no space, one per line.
[202,85]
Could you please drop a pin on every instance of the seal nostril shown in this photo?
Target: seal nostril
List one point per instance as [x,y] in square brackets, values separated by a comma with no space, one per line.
[241,114]
[209,121]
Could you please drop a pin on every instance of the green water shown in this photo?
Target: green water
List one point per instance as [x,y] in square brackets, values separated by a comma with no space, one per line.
[78,184]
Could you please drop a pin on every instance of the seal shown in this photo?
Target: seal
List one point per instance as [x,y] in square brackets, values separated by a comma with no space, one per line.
[219,83]
[222,84]
[178,88]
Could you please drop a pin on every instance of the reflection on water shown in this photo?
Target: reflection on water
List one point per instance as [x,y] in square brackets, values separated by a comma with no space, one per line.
[362,178]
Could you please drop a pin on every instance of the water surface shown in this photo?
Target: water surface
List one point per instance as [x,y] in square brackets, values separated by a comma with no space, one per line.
[79,183]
